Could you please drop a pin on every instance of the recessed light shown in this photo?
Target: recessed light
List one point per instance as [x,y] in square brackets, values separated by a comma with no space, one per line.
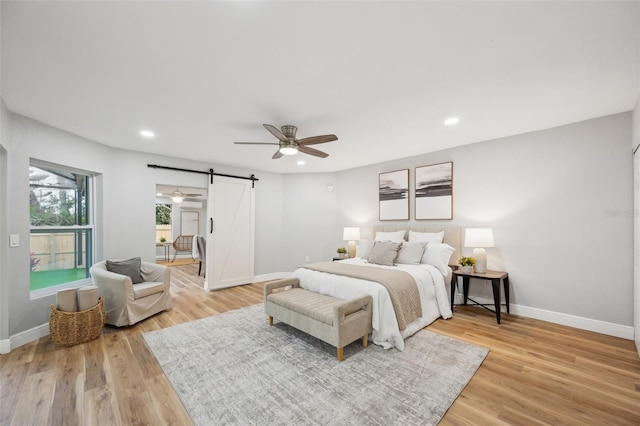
[147,134]
[301,163]
[451,121]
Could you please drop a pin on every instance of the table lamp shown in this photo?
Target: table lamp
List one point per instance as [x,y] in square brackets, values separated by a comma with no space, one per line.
[352,235]
[479,238]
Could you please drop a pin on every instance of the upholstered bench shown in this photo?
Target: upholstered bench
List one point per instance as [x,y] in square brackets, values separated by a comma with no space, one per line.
[335,321]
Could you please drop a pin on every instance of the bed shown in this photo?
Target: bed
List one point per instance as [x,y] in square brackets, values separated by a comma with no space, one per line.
[431,276]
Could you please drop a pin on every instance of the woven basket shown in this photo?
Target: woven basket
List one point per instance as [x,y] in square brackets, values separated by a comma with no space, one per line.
[71,328]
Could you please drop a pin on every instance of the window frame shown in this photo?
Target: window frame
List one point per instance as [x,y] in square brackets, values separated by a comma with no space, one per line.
[90,226]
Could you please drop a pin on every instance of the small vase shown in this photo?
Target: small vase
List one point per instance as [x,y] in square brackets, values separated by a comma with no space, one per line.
[467,269]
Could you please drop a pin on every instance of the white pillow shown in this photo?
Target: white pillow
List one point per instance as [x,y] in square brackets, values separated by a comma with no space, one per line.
[411,253]
[364,248]
[429,237]
[384,253]
[394,237]
[438,255]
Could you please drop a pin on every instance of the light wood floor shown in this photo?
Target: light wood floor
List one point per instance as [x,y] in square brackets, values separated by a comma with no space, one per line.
[535,373]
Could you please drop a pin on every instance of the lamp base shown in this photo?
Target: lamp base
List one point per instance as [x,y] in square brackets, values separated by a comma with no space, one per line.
[351,248]
[480,255]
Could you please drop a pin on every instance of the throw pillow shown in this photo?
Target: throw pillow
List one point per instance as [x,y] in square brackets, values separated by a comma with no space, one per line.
[411,253]
[438,255]
[384,253]
[130,267]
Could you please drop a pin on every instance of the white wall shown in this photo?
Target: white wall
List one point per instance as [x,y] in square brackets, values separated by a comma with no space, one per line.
[30,139]
[636,224]
[558,201]
[309,219]
[4,236]
[4,292]
[636,204]
[126,205]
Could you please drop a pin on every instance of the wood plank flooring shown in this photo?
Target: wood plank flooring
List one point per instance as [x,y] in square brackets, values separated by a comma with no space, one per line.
[536,373]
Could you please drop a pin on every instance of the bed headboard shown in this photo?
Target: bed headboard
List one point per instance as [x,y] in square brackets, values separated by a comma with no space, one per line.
[452,235]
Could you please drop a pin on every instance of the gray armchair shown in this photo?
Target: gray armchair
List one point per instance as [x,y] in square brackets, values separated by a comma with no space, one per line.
[126,303]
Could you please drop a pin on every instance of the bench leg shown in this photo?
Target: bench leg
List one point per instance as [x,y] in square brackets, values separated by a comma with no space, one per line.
[270,320]
[340,354]
[365,340]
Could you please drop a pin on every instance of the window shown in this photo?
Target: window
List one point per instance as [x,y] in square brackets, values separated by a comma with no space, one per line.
[62,229]
[163,222]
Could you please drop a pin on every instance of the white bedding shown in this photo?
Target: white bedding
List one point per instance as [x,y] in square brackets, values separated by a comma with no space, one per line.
[433,298]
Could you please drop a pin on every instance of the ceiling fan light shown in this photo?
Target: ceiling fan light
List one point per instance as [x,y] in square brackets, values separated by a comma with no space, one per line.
[289,150]
[177,199]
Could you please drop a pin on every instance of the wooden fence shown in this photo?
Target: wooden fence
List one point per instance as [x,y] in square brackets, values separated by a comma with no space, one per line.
[55,251]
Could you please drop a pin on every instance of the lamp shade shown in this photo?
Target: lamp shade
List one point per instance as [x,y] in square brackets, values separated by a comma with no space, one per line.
[478,237]
[351,234]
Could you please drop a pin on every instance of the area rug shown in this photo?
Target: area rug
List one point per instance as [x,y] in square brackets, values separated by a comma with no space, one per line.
[235,369]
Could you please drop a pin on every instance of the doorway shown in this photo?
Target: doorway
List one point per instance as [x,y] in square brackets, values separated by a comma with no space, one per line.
[176,215]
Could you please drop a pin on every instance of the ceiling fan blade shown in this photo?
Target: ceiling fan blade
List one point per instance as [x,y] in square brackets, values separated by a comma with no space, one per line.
[312,151]
[275,132]
[256,143]
[192,195]
[277,155]
[317,139]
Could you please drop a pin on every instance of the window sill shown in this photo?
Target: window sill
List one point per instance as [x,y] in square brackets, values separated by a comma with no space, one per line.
[51,291]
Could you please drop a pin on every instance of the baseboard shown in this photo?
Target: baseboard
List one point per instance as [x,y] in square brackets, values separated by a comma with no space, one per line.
[23,338]
[610,329]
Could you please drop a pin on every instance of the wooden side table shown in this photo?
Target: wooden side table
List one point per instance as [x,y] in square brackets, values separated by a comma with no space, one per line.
[494,276]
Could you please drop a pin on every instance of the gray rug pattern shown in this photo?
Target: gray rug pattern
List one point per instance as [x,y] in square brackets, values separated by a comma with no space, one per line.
[235,369]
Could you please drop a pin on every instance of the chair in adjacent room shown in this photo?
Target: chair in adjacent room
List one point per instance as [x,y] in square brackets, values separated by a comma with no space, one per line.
[126,302]
[201,249]
[182,243]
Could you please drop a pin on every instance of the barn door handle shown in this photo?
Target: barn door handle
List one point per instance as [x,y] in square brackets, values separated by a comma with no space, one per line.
[211,225]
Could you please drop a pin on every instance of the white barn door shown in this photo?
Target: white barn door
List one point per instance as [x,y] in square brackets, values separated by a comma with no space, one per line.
[230,233]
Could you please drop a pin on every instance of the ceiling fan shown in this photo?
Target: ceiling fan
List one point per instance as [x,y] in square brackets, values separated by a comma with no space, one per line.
[289,145]
[177,196]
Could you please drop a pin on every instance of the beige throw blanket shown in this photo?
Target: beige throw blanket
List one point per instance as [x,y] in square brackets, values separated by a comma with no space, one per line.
[401,286]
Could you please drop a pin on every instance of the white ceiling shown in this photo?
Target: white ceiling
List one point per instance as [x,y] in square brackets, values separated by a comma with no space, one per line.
[382,76]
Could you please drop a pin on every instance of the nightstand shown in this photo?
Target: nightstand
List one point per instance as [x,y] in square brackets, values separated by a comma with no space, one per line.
[494,276]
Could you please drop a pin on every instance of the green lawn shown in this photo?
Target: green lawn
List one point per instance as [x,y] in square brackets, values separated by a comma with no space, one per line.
[44,279]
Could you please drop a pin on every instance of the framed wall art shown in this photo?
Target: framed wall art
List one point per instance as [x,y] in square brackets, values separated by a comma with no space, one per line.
[189,223]
[434,192]
[394,195]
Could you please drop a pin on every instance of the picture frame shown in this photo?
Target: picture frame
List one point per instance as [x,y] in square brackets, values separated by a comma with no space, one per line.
[433,198]
[393,195]
[189,223]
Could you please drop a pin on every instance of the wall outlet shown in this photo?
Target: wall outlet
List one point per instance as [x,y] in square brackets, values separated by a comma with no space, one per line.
[306,258]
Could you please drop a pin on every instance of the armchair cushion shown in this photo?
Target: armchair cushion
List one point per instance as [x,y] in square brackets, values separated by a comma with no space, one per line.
[129,267]
[146,289]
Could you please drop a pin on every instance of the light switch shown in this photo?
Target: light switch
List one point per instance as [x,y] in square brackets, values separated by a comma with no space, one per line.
[14,240]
